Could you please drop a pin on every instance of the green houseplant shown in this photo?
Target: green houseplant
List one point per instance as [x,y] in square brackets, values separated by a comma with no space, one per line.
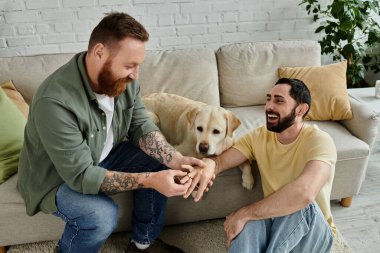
[350,33]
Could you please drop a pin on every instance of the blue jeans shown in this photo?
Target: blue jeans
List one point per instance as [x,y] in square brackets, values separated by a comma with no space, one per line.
[304,231]
[90,219]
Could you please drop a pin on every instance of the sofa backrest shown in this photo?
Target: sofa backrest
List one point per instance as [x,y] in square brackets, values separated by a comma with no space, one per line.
[191,73]
[236,75]
[28,72]
[247,71]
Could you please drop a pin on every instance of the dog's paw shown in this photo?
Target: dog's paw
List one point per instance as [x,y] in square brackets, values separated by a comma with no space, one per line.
[248,182]
[246,176]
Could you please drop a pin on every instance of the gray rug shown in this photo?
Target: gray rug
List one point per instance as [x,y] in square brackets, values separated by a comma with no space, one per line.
[198,237]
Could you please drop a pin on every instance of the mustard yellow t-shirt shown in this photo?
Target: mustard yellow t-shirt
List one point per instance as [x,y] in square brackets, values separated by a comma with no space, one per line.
[281,164]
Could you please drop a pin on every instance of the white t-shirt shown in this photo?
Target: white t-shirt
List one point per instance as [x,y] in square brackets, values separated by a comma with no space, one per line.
[106,103]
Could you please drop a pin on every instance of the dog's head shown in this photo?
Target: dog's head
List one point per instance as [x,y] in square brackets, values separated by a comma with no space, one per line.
[213,128]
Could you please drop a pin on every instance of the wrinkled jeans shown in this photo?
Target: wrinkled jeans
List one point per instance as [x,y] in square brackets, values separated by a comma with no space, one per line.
[90,219]
[304,231]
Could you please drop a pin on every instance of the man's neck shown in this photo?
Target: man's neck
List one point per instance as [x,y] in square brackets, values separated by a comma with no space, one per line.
[290,134]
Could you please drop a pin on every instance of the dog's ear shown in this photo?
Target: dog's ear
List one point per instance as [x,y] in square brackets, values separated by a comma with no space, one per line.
[232,123]
[154,117]
[190,116]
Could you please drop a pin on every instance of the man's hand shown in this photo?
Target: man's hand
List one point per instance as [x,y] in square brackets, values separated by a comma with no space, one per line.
[192,161]
[233,225]
[202,178]
[166,182]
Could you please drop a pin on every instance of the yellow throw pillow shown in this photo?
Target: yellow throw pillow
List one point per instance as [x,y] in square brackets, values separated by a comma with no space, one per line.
[328,88]
[11,91]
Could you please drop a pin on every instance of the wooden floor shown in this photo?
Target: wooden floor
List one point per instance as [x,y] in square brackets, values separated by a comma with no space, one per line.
[360,223]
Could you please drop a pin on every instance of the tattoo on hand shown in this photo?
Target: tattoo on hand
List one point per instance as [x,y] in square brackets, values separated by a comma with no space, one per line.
[157,147]
[116,182]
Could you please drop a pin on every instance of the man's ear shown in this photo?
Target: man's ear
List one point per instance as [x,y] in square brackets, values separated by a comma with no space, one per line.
[302,109]
[98,51]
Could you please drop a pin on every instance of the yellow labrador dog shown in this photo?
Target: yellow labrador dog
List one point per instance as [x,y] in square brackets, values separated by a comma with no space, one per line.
[195,128]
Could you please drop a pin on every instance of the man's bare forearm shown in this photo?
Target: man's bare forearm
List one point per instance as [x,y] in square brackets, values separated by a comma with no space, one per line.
[228,159]
[155,145]
[115,182]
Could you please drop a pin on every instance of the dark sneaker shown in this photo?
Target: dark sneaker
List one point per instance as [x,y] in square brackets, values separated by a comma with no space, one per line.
[157,247]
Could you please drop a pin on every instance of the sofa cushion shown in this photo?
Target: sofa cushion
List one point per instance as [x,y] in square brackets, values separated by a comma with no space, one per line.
[9,193]
[328,88]
[12,126]
[253,116]
[191,73]
[28,72]
[15,96]
[341,136]
[247,71]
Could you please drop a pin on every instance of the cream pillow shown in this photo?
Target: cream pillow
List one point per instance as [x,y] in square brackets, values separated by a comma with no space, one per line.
[328,88]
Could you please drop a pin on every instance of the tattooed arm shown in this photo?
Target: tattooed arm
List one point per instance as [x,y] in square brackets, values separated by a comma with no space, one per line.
[155,145]
[162,181]
[115,182]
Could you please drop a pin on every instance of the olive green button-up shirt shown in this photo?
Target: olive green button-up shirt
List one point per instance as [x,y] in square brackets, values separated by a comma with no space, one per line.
[65,135]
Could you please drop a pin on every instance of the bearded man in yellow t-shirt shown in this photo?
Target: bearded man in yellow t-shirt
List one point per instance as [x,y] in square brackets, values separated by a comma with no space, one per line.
[297,164]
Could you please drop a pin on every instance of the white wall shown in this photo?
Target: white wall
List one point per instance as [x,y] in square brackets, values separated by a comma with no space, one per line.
[29,27]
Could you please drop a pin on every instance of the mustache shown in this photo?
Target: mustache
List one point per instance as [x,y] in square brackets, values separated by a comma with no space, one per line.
[123,80]
[272,112]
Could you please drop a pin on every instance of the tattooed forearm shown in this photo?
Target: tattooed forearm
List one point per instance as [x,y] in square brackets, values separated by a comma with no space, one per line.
[116,182]
[155,145]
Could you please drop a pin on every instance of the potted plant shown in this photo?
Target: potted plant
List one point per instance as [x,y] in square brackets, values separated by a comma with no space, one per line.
[350,33]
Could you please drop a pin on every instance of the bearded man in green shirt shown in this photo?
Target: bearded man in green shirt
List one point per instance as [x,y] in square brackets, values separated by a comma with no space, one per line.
[88,135]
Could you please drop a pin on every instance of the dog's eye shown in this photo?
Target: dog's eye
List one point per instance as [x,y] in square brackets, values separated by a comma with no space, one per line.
[200,129]
[216,131]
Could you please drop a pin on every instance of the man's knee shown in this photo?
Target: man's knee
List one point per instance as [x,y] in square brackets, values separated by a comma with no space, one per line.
[252,238]
[104,218]
[302,231]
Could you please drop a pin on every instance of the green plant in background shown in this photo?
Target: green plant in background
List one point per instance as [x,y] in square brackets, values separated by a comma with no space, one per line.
[350,33]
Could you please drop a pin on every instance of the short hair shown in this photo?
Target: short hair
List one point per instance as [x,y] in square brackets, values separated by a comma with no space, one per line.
[114,27]
[298,91]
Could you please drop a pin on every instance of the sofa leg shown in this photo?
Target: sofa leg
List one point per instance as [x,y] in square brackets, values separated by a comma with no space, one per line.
[3,249]
[346,202]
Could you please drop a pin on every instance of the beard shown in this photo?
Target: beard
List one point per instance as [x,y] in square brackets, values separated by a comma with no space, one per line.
[283,123]
[108,84]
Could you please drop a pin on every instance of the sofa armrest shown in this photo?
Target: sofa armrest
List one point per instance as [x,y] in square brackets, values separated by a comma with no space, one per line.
[364,121]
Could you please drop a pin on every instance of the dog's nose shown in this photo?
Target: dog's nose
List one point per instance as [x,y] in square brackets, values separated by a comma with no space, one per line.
[203,148]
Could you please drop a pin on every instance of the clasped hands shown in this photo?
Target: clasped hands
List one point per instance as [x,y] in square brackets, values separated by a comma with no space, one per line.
[202,178]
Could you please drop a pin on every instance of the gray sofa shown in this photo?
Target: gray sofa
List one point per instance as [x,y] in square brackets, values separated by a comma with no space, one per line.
[236,76]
